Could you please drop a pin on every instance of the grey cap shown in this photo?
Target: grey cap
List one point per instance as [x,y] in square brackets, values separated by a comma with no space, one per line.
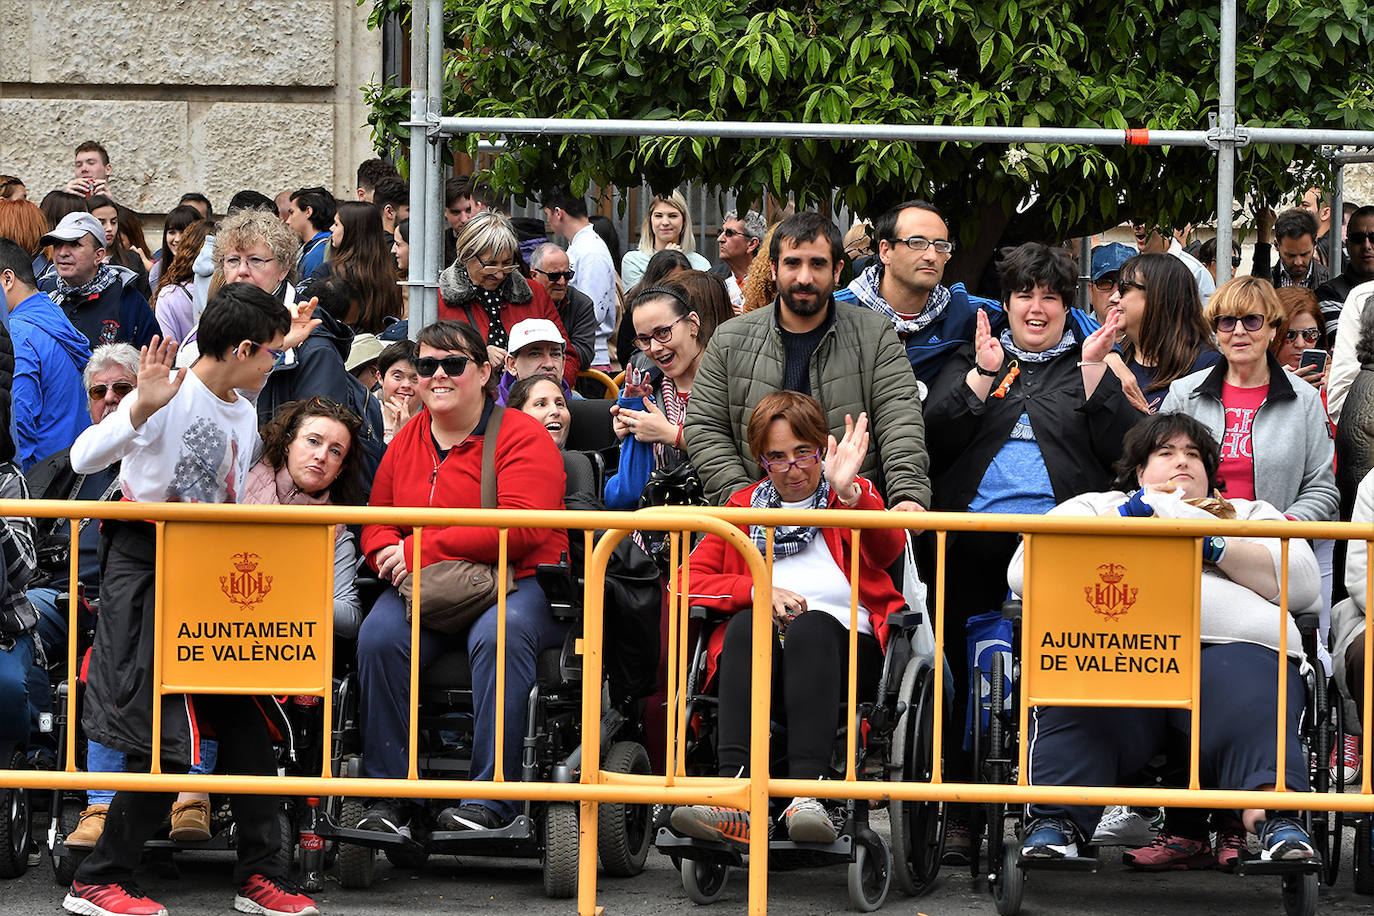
[73,227]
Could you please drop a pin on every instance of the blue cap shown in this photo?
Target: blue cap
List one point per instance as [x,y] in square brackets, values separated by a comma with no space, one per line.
[1110,257]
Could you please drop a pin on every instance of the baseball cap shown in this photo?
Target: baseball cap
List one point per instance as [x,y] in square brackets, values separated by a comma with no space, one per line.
[366,349]
[72,227]
[1110,257]
[533,330]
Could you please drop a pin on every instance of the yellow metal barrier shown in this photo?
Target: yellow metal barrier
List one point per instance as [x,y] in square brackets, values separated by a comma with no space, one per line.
[186,527]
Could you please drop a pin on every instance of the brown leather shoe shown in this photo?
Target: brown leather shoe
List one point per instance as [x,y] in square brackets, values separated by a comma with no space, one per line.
[88,830]
[190,821]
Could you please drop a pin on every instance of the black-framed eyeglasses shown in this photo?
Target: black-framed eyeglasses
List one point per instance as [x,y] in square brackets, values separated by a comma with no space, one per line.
[555,275]
[1359,238]
[1127,285]
[453,366]
[662,335]
[1311,335]
[731,233]
[921,243]
[495,268]
[1227,323]
[1105,283]
[782,464]
[97,392]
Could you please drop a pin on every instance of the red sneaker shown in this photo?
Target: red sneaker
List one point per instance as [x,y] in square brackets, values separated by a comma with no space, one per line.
[273,897]
[1170,853]
[123,899]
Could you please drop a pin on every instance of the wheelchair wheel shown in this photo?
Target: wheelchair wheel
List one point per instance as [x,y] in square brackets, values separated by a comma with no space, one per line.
[704,880]
[1360,857]
[1009,883]
[623,834]
[64,866]
[870,874]
[286,852]
[918,828]
[1300,894]
[998,774]
[560,850]
[16,828]
[356,864]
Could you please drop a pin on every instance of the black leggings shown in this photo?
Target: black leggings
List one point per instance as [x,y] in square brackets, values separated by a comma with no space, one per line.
[812,667]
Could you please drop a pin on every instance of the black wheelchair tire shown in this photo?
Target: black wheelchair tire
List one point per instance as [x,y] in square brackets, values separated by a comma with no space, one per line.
[356,865]
[704,880]
[870,874]
[559,859]
[623,831]
[918,828]
[1300,894]
[16,826]
[64,865]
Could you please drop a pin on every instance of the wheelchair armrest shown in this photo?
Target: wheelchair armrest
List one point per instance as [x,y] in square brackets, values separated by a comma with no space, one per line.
[560,587]
[905,620]
[702,612]
[1011,609]
[1307,620]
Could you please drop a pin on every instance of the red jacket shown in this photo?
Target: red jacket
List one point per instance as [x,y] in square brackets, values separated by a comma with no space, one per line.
[529,475]
[719,577]
[539,306]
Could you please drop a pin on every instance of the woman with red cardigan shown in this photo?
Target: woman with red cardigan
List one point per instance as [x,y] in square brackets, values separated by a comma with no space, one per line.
[807,469]
[484,287]
[435,460]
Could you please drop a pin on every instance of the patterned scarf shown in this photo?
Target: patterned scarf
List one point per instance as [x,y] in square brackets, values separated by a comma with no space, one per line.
[105,277]
[1066,343]
[786,540]
[491,301]
[674,407]
[865,288]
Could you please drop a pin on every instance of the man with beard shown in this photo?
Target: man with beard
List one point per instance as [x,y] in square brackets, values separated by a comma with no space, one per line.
[904,285]
[848,358]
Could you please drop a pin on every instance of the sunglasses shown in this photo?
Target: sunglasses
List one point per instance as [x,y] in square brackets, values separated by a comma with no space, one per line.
[1127,285]
[453,366]
[278,356]
[1359,238]
[1311,335]
[731,233]
[97,392]
[555,275]
[1227,323]
[1105,284]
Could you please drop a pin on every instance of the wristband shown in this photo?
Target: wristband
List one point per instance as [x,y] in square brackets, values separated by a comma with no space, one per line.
[986,373]
[1213,549]
[1136,507]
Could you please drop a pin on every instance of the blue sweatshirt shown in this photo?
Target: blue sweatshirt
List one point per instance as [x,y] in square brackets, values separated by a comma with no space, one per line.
[49,397]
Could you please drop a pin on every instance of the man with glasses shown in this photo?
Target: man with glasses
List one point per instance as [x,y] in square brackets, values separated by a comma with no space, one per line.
[904,285]
[1354,314]
[1106,271]
[590,260]
[550,265]
[846,357]
[101,299]
[1149,239]
[49,354]
[739,241]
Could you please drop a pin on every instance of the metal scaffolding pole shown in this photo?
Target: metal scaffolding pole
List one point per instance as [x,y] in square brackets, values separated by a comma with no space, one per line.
[419,199]
[1333,235]
[1226,139]
[434,178]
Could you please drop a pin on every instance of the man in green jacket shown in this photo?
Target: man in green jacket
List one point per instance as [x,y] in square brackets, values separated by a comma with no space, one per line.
[845,356]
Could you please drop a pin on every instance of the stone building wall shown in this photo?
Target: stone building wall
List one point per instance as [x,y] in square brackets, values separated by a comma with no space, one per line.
[187,95]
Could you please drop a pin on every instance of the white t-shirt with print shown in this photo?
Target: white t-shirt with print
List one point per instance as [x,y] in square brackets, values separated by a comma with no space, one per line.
[196,449]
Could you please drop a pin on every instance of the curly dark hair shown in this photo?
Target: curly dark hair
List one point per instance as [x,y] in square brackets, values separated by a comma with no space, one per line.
[347,488]
[1149,434]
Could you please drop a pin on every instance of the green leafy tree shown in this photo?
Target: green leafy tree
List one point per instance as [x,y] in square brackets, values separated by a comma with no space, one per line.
[1063,63]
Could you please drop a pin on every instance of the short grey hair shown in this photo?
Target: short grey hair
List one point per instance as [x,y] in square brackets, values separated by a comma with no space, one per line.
[489,232]
[112,354]
[537,256]
[755,226]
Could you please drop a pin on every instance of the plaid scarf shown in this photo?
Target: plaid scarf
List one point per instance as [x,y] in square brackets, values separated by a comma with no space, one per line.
[1066,343]
[865,289]
[786,540]
[105,277]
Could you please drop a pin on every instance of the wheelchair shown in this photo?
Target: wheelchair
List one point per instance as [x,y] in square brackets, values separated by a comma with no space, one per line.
[996,746]
[551,752]
[894,743]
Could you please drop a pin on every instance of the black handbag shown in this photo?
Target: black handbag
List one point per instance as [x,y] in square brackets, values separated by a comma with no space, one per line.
[675,484]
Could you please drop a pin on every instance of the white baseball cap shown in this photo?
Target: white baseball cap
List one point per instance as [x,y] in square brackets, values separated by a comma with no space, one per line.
[533,330]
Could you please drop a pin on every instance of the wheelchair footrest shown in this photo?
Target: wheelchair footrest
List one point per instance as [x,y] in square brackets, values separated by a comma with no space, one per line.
[1260,867]
[1088,864]
[670,843]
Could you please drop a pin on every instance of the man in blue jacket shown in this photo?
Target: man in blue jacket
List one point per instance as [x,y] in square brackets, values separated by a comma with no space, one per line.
[904,285]
[49,355]
[100,300]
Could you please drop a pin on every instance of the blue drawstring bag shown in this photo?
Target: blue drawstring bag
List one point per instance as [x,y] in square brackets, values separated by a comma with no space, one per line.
[988,634]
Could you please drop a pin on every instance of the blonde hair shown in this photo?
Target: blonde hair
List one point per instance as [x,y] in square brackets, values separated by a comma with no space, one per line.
[646,228]
[489,232]
[1246,296]
[245,229]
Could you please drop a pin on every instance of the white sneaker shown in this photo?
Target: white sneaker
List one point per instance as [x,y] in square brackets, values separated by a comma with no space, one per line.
[1122,826]
[808,822]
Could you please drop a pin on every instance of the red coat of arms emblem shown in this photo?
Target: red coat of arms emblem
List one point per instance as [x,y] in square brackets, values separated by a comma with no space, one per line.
[246,586]
[1110,597]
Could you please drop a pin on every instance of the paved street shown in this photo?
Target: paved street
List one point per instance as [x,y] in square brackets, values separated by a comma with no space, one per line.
[451,885]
